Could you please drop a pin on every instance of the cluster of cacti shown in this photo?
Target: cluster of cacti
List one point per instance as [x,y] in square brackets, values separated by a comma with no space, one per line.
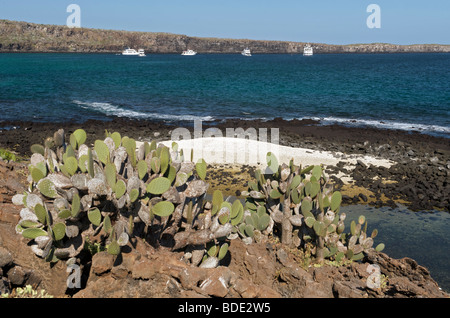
[304,208]
[116,191]
[112,188]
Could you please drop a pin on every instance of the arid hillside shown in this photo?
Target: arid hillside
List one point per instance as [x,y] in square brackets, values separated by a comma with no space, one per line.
[30,37]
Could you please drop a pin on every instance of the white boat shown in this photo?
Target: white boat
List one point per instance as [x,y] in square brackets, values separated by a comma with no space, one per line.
[141,53]
[189,52]
[129,51]
[246,52]
[308,50]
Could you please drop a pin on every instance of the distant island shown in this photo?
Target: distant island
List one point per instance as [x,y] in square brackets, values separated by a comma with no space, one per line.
[30,37]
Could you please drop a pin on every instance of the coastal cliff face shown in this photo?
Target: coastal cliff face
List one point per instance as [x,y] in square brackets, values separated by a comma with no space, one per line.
[30,37]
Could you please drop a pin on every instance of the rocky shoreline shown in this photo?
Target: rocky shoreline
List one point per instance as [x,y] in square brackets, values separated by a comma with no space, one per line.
[146,272]
[418,178]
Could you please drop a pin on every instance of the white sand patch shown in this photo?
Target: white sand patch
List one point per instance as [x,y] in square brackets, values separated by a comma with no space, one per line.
[225,150]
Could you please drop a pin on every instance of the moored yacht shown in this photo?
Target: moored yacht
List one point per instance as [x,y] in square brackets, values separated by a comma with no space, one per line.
[308,50]
[189,52]
[246,52]
[129,51]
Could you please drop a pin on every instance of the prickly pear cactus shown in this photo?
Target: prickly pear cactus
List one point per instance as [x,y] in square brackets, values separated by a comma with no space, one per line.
[305,209]
[114,188]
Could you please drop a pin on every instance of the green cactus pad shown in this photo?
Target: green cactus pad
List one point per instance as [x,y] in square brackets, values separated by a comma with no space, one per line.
[142,169]
[361,219]
[102,151]
[117,139]
[158,185]
[71,165]
[165,158]
[120,189]
[217,200]
[201,169]
[95,216]
[223,251]
[113,248]
[272,162]
[306,170]
[76,205]
[171,173]
[236,208]
[212,250]
[107,224]
[336,200]
[73,141]
[238,218]
[310,221]
[36,174]
[110,174]
[181,179]
[316,172]
[130,146]
[64,214]
[353,228]
[263,222]
[47,188]
[275,194]
[41,213]
[306,208]
[249,230]
[163,208]
[59,231]
[29,224]
[80,136]
[134,195]
[82,163]
[295,182]
[38,149]
[379,247]
[225,216]
[295,196]
[155,164]
[90,163]
[32,233]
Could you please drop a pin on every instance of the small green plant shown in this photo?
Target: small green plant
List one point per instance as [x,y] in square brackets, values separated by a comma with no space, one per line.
[94,248]
[27,292]
[7,155]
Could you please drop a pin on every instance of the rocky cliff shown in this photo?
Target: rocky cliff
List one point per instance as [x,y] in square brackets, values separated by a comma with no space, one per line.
[30,37]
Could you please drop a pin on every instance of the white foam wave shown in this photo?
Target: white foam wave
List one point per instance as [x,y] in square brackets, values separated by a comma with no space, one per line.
[386,124]
[112,110]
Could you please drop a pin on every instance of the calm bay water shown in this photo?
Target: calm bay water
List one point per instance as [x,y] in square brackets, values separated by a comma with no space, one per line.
[422,236]
[401,91]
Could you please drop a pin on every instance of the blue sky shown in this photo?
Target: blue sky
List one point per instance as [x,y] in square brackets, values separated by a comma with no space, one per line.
[324,21]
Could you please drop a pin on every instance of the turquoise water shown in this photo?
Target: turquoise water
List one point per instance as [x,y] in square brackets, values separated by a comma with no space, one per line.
[422,236]
[402,91]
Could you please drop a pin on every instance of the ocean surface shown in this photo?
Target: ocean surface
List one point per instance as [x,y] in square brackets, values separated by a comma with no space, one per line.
[393,91]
